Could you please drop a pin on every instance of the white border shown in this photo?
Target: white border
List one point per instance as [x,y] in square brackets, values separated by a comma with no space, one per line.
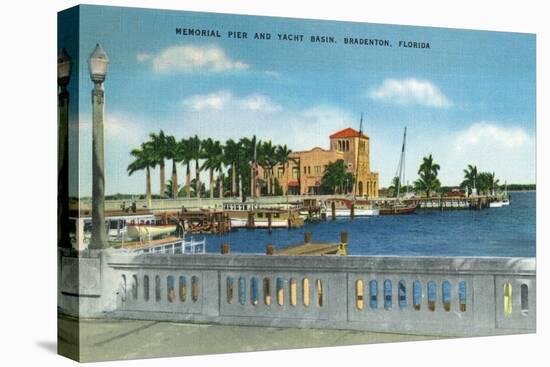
[28,166]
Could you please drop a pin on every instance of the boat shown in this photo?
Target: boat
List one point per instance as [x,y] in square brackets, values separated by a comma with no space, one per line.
[341,207]
[505,201]
[398,206]
[149,230]
[168,245]
[252,215]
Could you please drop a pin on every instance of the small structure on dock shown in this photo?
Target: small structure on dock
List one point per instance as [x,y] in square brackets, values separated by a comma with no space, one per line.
[310,248]
[202,220]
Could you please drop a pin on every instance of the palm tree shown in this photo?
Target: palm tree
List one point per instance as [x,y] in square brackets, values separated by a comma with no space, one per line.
[336,179]
[144,158]
[170,188]
[231,152]
[185,158]
[282,156]
[160,152]
[173,152]
[486,183]
[427,172]
[248,156]
[213,154]
[470,178]
[268,160]
[195,152]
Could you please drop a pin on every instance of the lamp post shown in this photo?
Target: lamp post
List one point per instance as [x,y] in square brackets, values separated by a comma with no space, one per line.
[63,77]
[98,70]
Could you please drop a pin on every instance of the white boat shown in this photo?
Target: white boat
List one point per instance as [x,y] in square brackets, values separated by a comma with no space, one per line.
[342,208]
[148,230]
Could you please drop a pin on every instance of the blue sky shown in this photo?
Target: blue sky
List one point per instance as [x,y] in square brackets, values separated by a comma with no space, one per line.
[469,99]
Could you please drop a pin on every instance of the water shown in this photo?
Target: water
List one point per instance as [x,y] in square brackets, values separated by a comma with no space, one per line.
[506,231]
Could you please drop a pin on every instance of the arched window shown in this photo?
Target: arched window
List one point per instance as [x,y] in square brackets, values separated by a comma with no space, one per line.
[157,288]
[319,286]
[507,299]
[134,287]
[524,299]
[280,292]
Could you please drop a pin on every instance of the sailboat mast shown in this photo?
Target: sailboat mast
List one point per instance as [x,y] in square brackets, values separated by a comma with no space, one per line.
[402,163]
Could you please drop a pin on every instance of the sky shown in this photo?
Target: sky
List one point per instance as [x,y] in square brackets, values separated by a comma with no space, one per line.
[468,99]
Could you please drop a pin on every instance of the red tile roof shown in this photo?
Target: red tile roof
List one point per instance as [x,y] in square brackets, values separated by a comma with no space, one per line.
[347,133]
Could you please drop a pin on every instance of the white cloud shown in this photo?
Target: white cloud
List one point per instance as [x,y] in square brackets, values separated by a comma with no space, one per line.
[487,134]
[189,58]
[410,91]
[224,99]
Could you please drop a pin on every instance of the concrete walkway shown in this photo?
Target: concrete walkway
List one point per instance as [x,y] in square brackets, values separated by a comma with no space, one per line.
[102,340]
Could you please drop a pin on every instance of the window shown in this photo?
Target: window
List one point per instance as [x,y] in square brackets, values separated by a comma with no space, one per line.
[294,172]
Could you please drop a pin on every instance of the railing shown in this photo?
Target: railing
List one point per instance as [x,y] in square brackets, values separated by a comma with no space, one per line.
[431,296]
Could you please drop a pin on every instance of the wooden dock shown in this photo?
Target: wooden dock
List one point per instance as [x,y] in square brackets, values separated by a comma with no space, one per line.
[309,248]
[200,221]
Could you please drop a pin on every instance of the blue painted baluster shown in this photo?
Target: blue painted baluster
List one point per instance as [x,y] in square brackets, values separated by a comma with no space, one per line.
[417,295]
[387,294]
[242,290]
[462,295]
[432,295]
[446,295]
[373,292]
[254,291]
[402,294]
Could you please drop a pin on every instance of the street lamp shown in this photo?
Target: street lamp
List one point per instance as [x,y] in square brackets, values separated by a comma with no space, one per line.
[98,70]
[63,77]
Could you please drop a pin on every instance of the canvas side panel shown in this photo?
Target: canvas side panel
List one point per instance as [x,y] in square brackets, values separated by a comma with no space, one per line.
[68,166]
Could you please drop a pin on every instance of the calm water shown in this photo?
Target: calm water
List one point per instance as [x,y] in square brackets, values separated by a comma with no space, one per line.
[507,231]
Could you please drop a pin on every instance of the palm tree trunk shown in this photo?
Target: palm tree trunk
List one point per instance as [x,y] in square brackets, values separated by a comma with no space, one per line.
[240,187]
[211,183]
[233,179]
[148,187]
[188,180]
[197,179]
[174,181]
[162,179]
[220,185]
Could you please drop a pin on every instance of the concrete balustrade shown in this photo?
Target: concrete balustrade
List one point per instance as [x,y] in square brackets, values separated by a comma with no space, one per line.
[445,296]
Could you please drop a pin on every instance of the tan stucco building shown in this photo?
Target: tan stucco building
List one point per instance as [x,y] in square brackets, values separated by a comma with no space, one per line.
[306,168]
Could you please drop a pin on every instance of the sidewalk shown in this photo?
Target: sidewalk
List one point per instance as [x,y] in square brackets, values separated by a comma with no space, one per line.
[129,339]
